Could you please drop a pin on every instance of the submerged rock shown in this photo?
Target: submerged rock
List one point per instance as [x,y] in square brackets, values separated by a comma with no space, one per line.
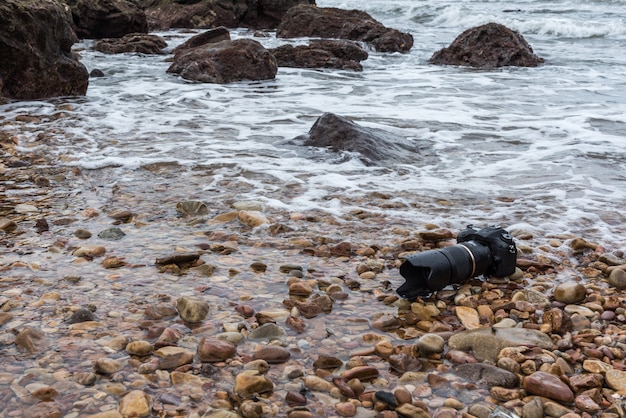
[486,343]
[375,146]
[488,46]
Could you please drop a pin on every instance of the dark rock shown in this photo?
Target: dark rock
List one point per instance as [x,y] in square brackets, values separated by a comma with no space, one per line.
[36,60]
[140,43]
[182,259]
[96,73]
[95,19]
[209,37]
[225,62]
[41,225]
[203,14]
[488,46]
[81,315]
[342,135]
[327,362]
[387,398]
[487,375]
[295,399]
[340,54]
[320,22]
[112,234]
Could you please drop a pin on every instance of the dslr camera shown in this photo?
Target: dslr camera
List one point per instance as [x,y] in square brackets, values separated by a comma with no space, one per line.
[490,251]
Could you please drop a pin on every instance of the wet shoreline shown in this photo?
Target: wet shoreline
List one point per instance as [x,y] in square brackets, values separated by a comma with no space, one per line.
[326,283]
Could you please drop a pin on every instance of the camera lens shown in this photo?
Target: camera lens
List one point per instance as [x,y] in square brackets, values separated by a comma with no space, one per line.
[433,270]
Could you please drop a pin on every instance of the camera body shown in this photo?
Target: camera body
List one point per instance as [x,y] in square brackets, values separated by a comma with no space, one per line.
[490,251]
[500,244]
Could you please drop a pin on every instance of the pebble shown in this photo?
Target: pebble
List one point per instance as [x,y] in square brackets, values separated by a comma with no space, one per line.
[616,380]
[548,385]
[272,354]
[487,375]
[617,279]
[90,251]
[192,309]
[468,316]
[112,234]
[431,343]
[135,404]
[317,384]
[81,315]
[361,373]
[247,384]
[107,365]
[7,225]
[345,409]
[139,348]
[214,350]
[569,292]
[269,331]
[173,357]
[252,218]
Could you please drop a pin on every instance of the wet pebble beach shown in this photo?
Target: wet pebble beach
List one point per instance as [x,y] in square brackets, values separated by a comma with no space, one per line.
[134,296]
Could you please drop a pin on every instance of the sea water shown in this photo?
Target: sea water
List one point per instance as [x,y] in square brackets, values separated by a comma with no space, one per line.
[539,149]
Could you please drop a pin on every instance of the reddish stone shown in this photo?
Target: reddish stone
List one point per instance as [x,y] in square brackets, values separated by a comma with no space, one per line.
[549,386]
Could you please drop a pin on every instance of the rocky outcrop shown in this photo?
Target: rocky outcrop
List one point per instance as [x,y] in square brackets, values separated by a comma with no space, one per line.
[488,46]
[225,62]
[340,54]
[209,37]
[375,146]
[134,42]
[97,19]
[319,22]
[203,14]
[36,60]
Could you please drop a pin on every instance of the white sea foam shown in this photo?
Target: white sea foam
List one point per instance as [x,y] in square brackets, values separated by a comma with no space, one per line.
[551,139]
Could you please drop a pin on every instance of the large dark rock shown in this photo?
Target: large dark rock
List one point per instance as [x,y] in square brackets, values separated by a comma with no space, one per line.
[36,60]
[209,37]
[225,62]
[375,146]
[488,46]
[140,43]
[204,14]
[340,54]
[97,19]
[356,25]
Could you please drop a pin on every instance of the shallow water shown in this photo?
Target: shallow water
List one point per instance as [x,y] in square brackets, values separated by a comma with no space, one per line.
[539,149]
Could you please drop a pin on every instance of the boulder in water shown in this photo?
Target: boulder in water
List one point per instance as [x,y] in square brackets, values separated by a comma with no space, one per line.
[327,22]
[375,146]
[36,60]
[225,62]
[140,43]
[96,19]
[339,54]
[488,46]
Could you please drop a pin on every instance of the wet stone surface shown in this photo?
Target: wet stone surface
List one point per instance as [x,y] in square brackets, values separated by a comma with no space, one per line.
[224,311]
